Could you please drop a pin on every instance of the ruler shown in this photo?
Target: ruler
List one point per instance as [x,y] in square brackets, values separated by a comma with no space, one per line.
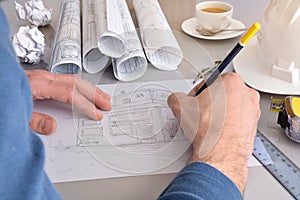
[279,165]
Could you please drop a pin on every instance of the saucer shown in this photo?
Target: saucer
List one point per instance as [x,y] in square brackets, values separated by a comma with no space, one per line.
[188,26]
[249,65]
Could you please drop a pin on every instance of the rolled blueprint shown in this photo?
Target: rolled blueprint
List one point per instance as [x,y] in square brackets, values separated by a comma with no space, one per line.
[133,64]
[93,59]
[159,42]
[110,35]
[130,67]
[66,54]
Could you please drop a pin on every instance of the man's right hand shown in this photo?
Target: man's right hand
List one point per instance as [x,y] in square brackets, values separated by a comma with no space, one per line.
[221,122]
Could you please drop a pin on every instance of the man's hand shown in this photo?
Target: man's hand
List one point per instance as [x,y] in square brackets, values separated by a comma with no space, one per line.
[67,89]
[222,123]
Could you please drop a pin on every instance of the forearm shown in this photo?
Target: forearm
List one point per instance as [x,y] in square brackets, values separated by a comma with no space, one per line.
[198,181]
[235,168]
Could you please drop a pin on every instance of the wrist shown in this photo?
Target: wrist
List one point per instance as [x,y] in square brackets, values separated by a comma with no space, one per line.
[234,169]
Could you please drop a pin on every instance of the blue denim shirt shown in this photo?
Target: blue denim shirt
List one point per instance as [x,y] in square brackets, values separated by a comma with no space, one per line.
[22,153]
[200,181]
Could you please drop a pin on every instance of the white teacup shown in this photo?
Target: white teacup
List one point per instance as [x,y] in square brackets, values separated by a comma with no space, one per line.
[213,15]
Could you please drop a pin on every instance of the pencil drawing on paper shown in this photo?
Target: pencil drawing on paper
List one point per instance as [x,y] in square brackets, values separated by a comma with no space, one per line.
[139,135]
[140,117]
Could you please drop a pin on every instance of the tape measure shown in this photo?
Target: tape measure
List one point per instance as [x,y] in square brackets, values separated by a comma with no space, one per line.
[280,166]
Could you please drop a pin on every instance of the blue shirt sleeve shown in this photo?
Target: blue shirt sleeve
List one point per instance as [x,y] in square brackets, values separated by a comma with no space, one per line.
[199,181]
[22,155]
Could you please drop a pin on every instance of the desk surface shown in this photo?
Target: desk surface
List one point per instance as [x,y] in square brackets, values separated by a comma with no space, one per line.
[260,184]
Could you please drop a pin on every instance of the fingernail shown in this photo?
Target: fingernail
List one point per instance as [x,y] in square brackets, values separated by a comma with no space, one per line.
[47,126]
[109,105]
[99,115]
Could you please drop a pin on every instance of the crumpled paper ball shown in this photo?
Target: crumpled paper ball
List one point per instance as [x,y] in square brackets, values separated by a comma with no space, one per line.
[29,44]
[34,12]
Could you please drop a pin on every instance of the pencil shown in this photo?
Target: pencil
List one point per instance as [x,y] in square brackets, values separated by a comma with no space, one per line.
[243,41]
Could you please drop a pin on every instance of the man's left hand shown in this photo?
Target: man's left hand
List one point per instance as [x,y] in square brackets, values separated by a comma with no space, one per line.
[65,88]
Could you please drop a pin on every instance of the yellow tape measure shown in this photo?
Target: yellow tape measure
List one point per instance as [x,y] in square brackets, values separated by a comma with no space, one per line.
[294,105]
[289,116]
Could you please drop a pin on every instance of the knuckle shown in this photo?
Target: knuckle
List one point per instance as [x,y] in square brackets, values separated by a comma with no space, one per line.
[255,97]
[171,99]
[255,100]
[69,95]
[234,77]
[173,103]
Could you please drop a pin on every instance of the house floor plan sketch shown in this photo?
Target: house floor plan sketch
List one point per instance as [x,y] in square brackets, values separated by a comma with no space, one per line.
[138,136]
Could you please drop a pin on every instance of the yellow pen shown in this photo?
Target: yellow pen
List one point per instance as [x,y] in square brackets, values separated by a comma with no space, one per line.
[243,41]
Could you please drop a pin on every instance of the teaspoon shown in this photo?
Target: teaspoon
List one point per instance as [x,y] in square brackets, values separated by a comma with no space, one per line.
[211,33]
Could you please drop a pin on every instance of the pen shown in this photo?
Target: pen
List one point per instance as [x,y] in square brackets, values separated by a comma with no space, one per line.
[243,41]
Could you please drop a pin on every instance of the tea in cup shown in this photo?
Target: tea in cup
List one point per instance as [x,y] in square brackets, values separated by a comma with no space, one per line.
[213,15]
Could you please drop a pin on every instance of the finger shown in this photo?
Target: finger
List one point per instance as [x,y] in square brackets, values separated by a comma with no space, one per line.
[60,87]
[174,104]
[93,94]
[69,89]
[47,85]
[42,124]
[224,76]
[86,106]
[185,108]
[102,100]
[85,86]
[104,94]
[196,88]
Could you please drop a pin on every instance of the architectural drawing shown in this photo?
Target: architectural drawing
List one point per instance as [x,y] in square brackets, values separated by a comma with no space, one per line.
[136,118]
[138,136]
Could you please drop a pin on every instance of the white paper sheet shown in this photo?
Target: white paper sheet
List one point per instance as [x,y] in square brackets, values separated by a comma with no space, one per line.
[138,136]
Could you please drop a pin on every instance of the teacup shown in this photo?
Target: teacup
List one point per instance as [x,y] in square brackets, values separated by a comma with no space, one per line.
[213,15]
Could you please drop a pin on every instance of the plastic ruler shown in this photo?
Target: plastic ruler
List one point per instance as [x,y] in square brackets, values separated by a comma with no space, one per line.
[279,165]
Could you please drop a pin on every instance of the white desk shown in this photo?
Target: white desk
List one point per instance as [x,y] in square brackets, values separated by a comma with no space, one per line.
[260,184]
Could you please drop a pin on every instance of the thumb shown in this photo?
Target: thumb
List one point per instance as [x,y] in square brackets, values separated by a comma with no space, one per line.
[174,103]
[186,109]
[42,124]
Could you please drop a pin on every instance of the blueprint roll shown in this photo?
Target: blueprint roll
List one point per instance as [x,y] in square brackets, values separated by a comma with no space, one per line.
[66,54]
[159,42]
[133,64]
[111,27]
[93,60]
[112,45]
[130,67]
